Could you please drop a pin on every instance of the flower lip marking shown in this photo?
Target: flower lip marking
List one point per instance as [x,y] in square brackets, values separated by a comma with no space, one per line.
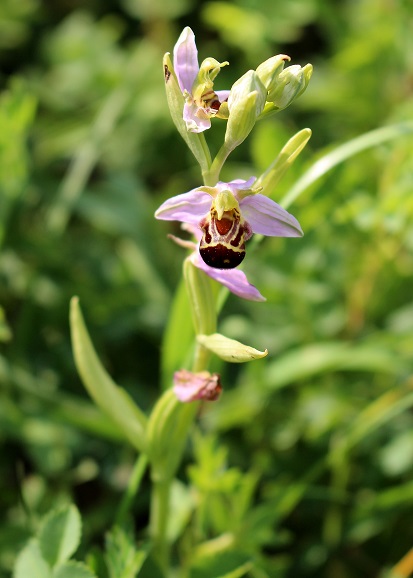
[233,279]
[223,241]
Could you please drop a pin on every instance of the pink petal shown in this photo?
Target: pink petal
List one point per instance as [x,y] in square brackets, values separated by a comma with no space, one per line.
[222,95]
[196,118]
[241,185]
[189,207]
[186,60]
[236,185]
[193,229]
[233,279]
[267,218]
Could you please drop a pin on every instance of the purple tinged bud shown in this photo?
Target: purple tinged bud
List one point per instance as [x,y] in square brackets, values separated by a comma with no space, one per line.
[190,386]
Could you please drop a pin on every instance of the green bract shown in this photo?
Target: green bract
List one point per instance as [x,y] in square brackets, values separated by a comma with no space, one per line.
[229,349]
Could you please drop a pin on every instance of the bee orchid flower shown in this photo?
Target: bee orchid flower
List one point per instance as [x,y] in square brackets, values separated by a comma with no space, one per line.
[197,84]
[234,280]
[227,215]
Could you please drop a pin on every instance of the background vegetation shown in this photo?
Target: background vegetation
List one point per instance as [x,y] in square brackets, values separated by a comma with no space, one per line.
[308,456]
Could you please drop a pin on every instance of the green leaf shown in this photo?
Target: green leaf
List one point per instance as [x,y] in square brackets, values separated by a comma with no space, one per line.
[123,559]
[112,399]
[182,505]
[73,569]
[304,362]
[229,349]
[383,409]
[269,180]
[150,569]
[17,110]
[221,565]
[5,331]
[342,153]
[59,536]
[30,563]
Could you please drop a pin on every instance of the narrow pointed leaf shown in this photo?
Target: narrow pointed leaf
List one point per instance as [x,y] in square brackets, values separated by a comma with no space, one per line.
[341,153]
[112,399]
[73,569]
[229,349]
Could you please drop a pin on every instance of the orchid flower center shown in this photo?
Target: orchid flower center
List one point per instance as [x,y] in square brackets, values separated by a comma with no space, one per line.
[223,241]
[203,93]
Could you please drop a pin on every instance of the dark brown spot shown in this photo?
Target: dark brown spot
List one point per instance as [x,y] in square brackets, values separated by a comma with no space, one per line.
[221,257]
[207,238]
[215,104]
[167,72]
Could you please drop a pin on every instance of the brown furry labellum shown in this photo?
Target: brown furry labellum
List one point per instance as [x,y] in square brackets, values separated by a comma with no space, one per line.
[223,242]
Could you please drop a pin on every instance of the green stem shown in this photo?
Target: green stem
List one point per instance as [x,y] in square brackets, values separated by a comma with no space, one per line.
[132,489]
[160,502]
[202,302]
[211,177]
[206,151]
[201,358]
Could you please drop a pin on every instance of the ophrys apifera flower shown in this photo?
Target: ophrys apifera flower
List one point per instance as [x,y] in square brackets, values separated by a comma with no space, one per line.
[228,215]
[197,83]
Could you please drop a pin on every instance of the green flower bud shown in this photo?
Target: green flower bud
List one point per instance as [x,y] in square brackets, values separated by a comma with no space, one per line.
[245,103]
[290,84]
[269,72]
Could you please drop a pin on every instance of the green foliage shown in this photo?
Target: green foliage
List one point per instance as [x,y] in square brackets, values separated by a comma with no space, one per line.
[48,554]
[124,559]
[304,466]
[59,536]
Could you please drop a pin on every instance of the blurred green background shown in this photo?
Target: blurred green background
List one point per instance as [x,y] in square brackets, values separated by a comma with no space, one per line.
[87,153]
